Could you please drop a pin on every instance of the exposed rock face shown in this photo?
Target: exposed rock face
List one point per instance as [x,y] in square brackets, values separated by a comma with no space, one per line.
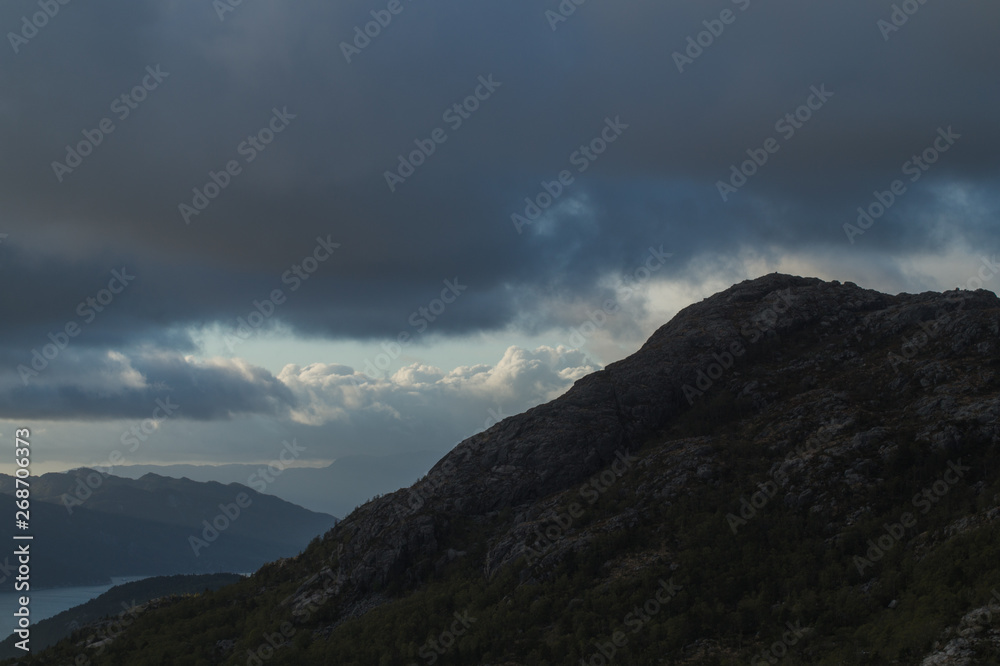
[745,340]
[978,629]
[814,463]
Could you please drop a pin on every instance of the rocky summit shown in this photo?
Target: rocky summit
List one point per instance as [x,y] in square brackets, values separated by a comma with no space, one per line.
[791,471]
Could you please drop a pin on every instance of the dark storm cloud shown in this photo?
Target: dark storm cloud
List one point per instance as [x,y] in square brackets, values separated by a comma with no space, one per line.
[80,384]
[210,83]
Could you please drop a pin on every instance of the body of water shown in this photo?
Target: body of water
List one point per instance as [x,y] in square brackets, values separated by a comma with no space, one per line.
[46,603]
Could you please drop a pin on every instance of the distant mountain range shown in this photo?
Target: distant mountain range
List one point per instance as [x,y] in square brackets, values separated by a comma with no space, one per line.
[336,489]
[88,527]
[792,471]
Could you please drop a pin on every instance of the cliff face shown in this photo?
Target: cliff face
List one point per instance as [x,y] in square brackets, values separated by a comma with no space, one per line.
[786,451]
[741,340]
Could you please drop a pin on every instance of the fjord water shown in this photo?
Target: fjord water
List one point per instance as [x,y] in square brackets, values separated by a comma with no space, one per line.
[46,603]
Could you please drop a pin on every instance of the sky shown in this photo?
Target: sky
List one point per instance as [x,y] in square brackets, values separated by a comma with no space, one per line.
[379,226]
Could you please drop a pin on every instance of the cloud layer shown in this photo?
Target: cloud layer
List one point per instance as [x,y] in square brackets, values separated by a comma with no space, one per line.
[334,409]
[235,163]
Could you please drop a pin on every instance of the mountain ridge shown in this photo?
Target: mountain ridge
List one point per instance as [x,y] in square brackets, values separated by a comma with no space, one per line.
[811,411]
[155,525]
[336,489]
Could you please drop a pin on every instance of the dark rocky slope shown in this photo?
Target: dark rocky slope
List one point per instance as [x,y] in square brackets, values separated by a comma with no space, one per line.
[561,444]
[789,450]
